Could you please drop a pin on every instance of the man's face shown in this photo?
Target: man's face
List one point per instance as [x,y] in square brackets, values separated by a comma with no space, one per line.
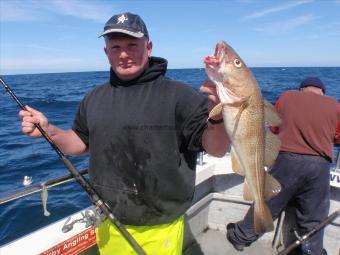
[127,55]
[315,90]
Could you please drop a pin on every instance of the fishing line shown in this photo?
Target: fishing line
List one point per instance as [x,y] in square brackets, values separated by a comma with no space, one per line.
[95,198]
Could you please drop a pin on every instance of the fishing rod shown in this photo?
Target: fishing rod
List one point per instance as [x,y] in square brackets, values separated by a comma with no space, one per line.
[300,240]
[38,187]
[94,196]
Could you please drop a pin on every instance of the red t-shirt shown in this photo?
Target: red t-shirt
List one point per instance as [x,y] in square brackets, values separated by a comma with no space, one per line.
[310,123]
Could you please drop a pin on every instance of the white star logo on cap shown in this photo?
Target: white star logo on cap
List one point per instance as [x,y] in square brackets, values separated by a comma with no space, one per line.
[122,19]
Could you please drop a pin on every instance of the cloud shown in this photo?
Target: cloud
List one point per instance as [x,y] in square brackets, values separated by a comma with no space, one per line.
[21,11]
[275,9]
[34,10]
[284,26]
[94,10]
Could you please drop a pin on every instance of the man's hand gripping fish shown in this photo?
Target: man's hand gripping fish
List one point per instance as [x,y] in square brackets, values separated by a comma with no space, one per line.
[245,113]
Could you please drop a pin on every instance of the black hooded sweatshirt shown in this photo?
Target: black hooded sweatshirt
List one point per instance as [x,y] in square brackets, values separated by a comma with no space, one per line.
[143,137]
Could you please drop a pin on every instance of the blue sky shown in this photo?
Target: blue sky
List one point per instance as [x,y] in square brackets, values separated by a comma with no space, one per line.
[39,36]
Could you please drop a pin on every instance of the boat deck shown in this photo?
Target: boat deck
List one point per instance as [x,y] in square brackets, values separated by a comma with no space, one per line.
[218,201]
[214,242]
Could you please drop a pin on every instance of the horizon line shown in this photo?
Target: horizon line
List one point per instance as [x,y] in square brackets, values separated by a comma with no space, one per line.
[251,67]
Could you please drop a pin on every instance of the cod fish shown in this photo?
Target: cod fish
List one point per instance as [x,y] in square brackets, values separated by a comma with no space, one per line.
[245,115]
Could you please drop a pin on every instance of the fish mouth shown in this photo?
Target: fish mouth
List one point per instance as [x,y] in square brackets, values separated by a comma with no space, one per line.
[221,51]
[214,61]
[216,70]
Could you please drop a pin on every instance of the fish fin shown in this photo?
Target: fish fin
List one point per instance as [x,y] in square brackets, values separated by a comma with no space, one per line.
[247,194]
[271,116]
[263,220]
[272,186]
[216,110]
[272,147]
[238,116]
[235,163]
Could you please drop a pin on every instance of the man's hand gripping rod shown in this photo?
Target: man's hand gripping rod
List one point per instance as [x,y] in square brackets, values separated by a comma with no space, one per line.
[96,200]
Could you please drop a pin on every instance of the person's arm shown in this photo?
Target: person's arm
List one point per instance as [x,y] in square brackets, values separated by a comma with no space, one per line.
[337,135]
[276,129]
[66,140]
[215,139]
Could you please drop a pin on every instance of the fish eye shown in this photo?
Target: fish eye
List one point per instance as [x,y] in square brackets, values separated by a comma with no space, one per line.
[237,63]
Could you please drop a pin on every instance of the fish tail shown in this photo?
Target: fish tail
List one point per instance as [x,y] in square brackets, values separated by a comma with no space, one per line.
[263,220]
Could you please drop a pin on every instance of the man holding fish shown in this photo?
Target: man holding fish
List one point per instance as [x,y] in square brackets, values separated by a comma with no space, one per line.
[307,132]
[142,132]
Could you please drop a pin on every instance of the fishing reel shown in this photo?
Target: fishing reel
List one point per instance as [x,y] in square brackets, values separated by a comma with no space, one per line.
[92,216]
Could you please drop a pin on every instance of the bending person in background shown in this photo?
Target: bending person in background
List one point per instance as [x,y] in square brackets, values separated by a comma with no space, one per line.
[142,132]
[307,133]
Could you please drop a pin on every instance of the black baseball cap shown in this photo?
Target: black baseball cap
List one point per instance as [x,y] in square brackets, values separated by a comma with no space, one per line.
[126,23]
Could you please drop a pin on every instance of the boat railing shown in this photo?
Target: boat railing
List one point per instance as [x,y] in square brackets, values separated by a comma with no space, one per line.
[31,189]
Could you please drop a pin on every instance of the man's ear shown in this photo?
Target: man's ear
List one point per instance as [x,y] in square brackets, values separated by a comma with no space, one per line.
[149,48]
[105,50]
